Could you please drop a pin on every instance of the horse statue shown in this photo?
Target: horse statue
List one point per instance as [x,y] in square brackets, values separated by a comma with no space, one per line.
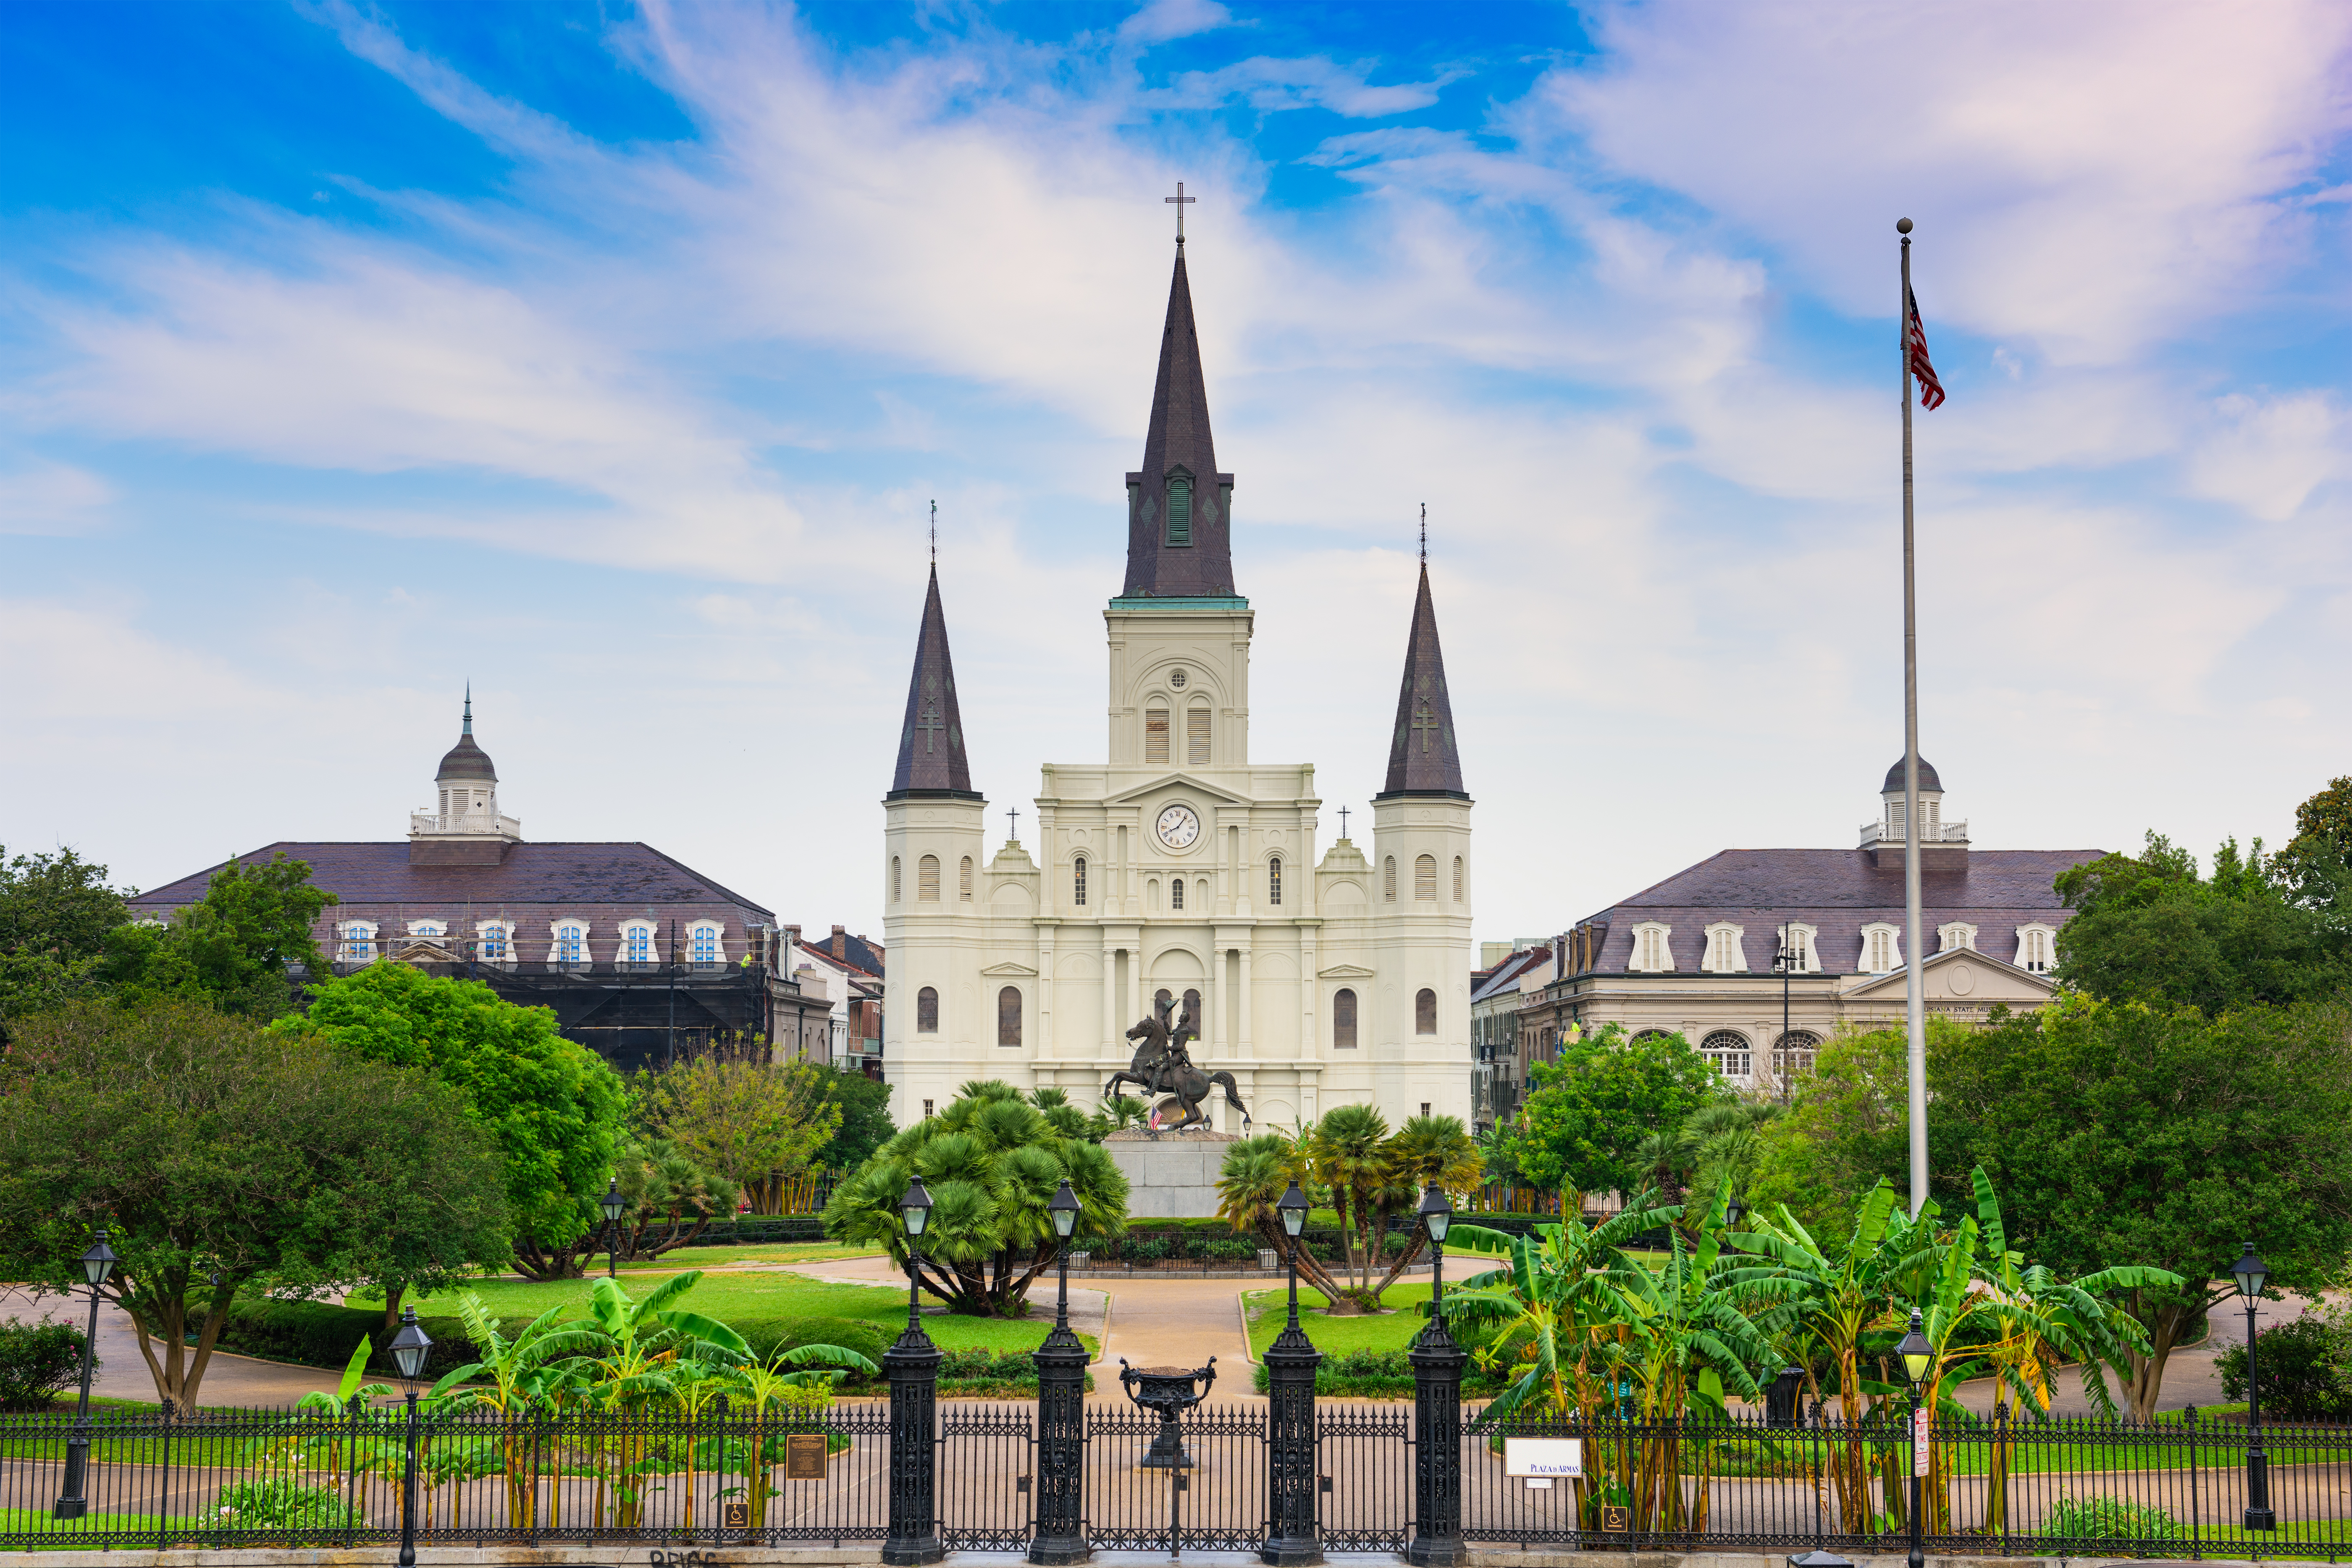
[1162,1066]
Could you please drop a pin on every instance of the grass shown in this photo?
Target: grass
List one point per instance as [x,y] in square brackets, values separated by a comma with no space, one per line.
[28,1521]
[1270,1309]
[772,1252]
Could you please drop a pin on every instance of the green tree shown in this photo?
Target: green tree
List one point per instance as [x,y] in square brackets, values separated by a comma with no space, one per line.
[1583,1124]
[866,1126]
[2149,929]
[991,1162]
[55,913]
[555,1108]
[749,1119]
[209,1146]
[1848,1124]
[2121,1133]
[2317,861]
[232,949]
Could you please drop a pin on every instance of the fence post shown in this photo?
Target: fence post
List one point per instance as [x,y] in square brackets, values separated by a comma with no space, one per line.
[1437,1362]
[1290,1363]
[1061,1436]
[912,1367]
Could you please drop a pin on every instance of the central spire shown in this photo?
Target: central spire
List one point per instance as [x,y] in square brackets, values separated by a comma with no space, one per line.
[1180,508]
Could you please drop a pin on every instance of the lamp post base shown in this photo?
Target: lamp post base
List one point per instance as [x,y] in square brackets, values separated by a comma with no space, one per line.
[2261,1518]
[69,1508]
[1426,1553]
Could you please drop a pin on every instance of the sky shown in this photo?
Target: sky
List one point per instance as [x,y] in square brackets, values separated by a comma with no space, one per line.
[609,356]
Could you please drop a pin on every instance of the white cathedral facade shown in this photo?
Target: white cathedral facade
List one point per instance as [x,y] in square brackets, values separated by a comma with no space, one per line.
[1177,873]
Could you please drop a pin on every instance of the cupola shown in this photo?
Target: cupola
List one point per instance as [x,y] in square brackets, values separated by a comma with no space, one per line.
[463,827]
[1939,841]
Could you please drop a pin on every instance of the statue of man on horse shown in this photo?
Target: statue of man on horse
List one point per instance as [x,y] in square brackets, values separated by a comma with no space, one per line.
[1163,1066]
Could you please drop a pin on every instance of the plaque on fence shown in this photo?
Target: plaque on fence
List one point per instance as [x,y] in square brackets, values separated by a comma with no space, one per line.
[1616,1517]
[1538,1459]
[739,1516]
[804,1456]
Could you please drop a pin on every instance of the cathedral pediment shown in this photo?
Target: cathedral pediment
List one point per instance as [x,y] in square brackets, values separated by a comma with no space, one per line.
[1344,972]
[1011,971]
[1176,781]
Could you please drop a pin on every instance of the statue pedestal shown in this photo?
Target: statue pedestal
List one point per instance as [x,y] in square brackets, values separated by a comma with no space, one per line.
[1169,1175]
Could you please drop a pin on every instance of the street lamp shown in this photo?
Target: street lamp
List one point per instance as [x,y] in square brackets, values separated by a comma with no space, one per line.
[1916,1353]
[2251,1273]
[912,1367]
[1437,1362]
[97,1267]
[409,1348]
[1733,1211]
[611,1203]
[1290,1363]
[1061,1407]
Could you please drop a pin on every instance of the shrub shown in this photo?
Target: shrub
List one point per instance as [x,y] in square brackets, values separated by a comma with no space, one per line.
[2106,1517]
[37,1360]
[1232,1247]
[768,1335]
[2306,1368]
[321,1333]
[280,1504]
[1145,1249]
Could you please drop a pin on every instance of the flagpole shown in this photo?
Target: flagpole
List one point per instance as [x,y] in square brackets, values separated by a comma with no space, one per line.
[1915,1012]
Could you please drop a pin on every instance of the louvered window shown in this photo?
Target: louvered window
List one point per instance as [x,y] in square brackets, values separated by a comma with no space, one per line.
[1343,1020]
[1388,880]
[927,879]
[963,879]
[1180,512]
[1457,879]
[1196,737]
[893,879]
[1155,735]
[1424,879]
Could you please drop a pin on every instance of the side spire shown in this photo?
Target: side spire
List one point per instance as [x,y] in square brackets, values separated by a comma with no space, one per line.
[932,761]
[1422,757]
[1179,506]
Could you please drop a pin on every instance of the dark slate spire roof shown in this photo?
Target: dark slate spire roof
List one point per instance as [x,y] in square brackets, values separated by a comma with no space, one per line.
[1179,441]
[1422,758]
[466,761]
[1927,780]
[932,761]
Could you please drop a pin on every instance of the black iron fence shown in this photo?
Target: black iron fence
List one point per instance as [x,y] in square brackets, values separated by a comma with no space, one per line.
[2177,1489]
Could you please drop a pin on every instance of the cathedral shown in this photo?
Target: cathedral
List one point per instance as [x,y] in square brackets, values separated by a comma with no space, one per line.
[1177,876]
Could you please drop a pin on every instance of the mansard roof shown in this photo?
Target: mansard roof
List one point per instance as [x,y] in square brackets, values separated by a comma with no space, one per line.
[1179,439]
[1422,757]
[931,760]
[571,874]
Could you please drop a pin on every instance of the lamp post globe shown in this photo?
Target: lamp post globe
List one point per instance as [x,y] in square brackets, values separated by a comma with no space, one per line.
[2251,1273]
[613,1205]
[97,1267]
[410,1348]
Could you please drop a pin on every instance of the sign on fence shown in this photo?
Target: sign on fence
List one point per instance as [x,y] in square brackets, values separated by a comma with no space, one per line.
[804,1456]
[1918,1442]
[1538,1459]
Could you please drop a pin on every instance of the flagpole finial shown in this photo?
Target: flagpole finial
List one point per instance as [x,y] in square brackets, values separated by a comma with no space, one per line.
[1903,225]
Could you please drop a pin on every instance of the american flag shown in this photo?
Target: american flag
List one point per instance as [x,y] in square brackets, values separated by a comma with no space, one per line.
[1931,391]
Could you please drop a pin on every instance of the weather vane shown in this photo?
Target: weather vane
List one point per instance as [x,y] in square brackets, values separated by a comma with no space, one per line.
[1179,201]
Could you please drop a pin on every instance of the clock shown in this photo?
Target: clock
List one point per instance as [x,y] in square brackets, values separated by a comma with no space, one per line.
[1178,826]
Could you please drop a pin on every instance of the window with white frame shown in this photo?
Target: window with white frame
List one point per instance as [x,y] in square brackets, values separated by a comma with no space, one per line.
[1274,881]
[638,942]
[428,928]
[1795,1053]
[570,943]
[1724,955]
[1956,935]
[703,947]
[2036,947]
[1727,1052]
[357,945]
[1078,881]
[1797,940]
[1882,949]
[498,941]
[1651,955]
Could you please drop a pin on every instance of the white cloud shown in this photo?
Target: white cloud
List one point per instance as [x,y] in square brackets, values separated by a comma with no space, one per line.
[2268,454]
[43,497]
[1313,82]
[1164,19]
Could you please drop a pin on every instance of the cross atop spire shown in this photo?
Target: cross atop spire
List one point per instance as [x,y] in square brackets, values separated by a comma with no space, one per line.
[1179,201]
[1422,757]
[1179,507]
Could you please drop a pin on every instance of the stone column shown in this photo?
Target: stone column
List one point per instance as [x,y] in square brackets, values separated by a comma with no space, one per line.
[1243,1045]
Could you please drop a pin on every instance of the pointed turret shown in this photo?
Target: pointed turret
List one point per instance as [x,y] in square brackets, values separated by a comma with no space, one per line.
[1180,508]
[931,762]
[1423,759]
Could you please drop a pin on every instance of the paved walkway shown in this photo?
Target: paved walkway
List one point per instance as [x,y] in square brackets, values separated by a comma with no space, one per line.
[239,1380]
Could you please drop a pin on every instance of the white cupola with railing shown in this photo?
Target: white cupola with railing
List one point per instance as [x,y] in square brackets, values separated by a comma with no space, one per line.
[1890,831]
[463,826]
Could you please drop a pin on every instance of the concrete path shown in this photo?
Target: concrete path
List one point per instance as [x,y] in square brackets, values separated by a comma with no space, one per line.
[237,1380]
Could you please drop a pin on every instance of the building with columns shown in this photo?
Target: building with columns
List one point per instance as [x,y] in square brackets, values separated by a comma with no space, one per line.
[1178,871]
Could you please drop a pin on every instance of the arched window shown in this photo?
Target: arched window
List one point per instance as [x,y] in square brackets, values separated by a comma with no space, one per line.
[571,941]
[1641,1035]
[1424,1011]
[1078,881]
[1457,879]
[1155,735]
[498,943]
[703,947]
[1176,893]
[893,879]
[1725,953]
[1651,952]
[927,879]
[1274,881]
[1180,512]
[1196,737]
[1795,1053]
[963,879]
[638,942]
[1163,1007]
[1424,879]
[1960,933]
[927,1012]
[1388,880]
[1343,1020]
[427,928]
[1726,1051]
[1008,1015]
[2033,947]
[1882,949]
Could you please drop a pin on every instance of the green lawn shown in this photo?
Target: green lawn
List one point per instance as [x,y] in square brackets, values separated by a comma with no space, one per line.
[25,1521]
[772,1252]
[1394,1330]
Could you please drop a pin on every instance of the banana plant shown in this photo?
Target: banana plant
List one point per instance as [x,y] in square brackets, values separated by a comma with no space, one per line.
[520,1379]
[642,1341]
[789,1378]
[326,1426]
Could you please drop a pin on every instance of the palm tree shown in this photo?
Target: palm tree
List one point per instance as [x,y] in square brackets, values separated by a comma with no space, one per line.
[1426,1149]
[1347,1152]
[1256,1172]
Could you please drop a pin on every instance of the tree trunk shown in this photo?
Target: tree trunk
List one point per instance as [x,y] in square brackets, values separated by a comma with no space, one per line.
[2163,1325]
[393,1290]
[161,1318]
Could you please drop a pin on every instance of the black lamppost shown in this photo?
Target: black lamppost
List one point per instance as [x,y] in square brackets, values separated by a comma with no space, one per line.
[1916,1353]
[1437,1363]
[97,1267]
[611,1203]
[912,1367]
[1290,1363]
[2251,1273]
[1061,1408]
[409,1348]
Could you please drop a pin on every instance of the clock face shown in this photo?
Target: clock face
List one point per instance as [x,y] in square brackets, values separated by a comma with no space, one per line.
[1179,827]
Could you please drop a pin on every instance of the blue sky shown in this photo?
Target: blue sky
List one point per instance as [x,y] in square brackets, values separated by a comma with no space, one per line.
[609,358]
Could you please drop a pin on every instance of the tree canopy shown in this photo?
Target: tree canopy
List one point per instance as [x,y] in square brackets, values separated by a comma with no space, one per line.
[553,1106]
[210,1147]
[56,911]
[866,1124]
[751,1121]
[1583,1126]
[231,948]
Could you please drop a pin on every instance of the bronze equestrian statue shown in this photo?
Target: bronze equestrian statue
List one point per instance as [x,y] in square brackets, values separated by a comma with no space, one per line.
[1162,1066]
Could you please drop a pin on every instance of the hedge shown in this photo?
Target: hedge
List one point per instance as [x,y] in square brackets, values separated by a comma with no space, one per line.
[321,1333]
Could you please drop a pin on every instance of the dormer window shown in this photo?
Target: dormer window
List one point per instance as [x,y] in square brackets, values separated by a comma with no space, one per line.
[703,947]
[1651,955]
[571,941]
[2036,947]
[1723,950]
[1180,512]
[1882,949]
[1957,936]
[638,942]
[497,941]
[1797,940]
[358,944]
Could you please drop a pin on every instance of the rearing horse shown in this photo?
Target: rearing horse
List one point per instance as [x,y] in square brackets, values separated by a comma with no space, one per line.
[1160,1069]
